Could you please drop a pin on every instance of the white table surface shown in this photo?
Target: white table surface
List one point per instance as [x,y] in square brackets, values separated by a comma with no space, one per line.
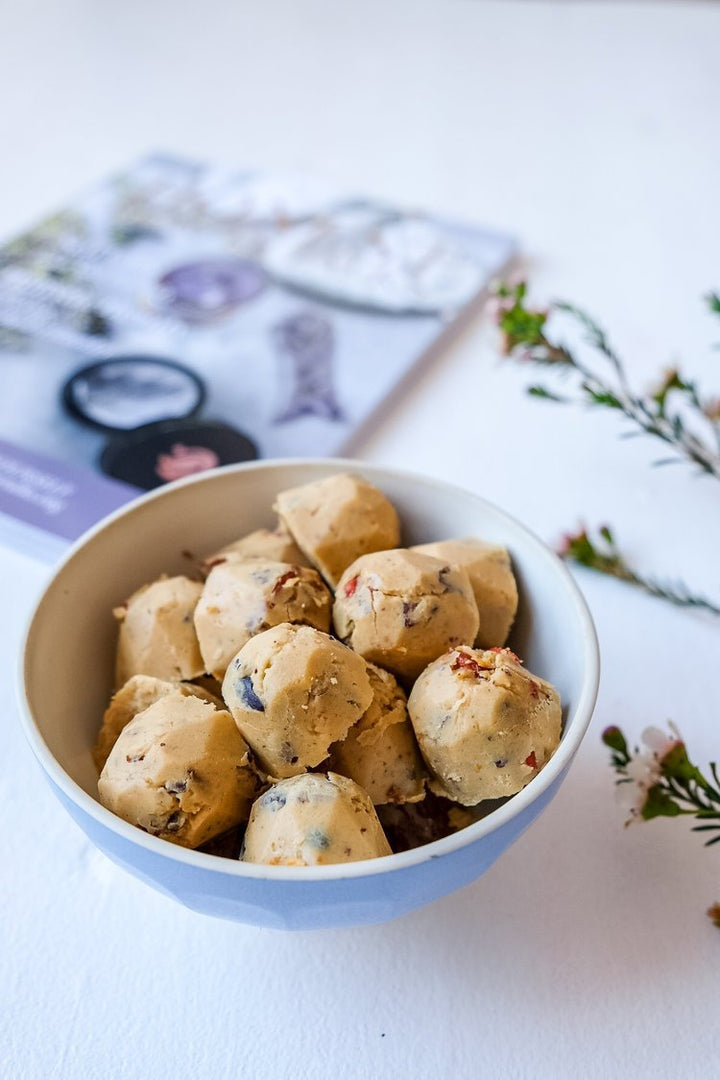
[590,130]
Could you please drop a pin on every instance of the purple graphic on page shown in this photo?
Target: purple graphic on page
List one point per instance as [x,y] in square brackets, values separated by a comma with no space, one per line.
[201,292]
[306,342]
[61,499]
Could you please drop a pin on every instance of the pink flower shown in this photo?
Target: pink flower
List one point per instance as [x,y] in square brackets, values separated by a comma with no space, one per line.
[659,743]
[644,770]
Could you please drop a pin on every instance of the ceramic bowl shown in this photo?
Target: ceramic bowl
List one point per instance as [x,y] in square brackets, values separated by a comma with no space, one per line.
[67,672]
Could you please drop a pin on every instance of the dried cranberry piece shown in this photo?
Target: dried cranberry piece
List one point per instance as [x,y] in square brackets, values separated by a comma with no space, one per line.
[284,578]
[508,652]
[351,586]
[466,663]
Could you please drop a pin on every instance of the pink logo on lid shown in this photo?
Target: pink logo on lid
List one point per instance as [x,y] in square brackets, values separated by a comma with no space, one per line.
[184,461]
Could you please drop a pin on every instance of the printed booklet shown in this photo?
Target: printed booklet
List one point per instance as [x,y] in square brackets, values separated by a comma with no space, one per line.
[179,316]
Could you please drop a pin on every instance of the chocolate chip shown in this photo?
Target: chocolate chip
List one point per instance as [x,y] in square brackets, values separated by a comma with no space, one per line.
[246,692]
[501,763]
[442,577]
[273,800]
[287,753]
[175,822]
[318,838]
[408,610]
[178,787]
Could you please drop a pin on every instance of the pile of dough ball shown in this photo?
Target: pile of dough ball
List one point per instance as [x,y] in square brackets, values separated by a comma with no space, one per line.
[318,694]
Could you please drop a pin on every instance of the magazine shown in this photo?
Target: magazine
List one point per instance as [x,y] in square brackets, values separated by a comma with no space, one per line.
[179,316]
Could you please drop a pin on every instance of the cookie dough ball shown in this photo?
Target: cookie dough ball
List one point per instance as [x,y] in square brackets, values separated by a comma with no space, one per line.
[293,691]
[380,752]
[313,820]
[243,598]
[180,770]
[337,519]
[157,634]
[402,609]
[138,694]
[275,545]
[493,583]
[485,725]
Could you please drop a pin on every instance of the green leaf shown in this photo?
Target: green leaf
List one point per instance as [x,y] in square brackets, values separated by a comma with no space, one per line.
[580,549]
[542,392]
[677,765]
[522,327]
[659,804]
[614,738]
[602,397]
[713,302]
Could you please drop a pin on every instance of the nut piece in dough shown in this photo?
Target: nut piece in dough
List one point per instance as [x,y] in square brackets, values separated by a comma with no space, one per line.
[313,820]
[380,752]
[157,635]
[275,545]
[243,598]
[180,770]
[293,691]
[337,519]
[138,694]
[485,725]
[493,583]
[402,609]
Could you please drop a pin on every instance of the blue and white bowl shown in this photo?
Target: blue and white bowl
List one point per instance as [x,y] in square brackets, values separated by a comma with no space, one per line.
[68,667]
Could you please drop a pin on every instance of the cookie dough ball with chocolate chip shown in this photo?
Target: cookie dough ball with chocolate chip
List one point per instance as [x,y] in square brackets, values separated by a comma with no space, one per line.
[157,634]
[485,725]
[337,519]
[274,545]
[293,691]
[402,609]
[243,598]
[380,752]
[180,770]
[138,694]
[493,583]
[313,820]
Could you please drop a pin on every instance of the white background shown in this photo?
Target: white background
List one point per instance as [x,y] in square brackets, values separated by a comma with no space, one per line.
[590,130]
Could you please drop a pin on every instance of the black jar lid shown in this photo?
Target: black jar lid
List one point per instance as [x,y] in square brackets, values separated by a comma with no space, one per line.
[159,453]
[123,393]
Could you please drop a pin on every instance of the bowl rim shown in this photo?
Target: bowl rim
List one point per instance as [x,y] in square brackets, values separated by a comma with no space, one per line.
[575,727]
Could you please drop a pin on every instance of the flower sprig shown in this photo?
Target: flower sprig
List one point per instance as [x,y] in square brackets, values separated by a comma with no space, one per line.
[662,413]
[602,554]
[662,781]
